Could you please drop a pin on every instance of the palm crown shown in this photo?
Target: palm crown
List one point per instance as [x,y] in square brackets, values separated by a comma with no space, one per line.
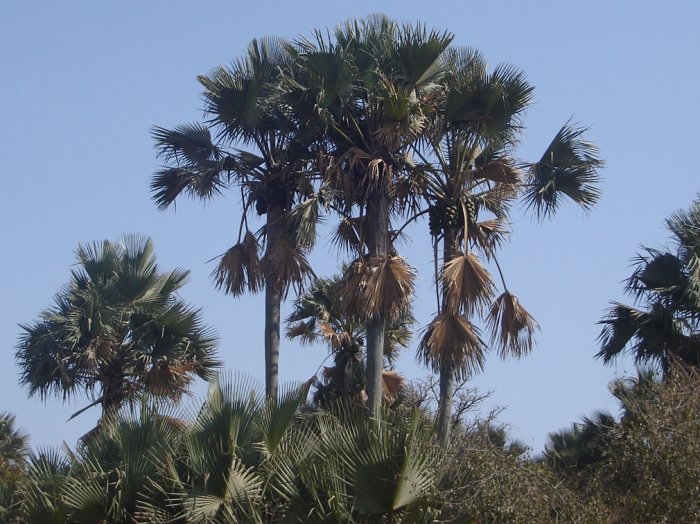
[118,328]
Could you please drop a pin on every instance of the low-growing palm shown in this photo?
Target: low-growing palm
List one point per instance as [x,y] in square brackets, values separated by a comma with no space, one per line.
[118,330]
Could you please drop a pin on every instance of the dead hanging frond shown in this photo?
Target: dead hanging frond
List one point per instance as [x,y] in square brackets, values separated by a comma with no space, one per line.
[378,175]
[512,327]
[501,171]
[289,265]
[239,269]
[377,288]
[468,285]
[488,235]
[336,339]
[304,331]
[451,339]
[392,385]
[347,235]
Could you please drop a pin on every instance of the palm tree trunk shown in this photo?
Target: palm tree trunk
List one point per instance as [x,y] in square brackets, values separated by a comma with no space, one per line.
[273,305]
[447,392]
[447,376]
[377,246]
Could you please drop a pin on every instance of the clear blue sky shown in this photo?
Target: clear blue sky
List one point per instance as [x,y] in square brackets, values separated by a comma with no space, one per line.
[83,82]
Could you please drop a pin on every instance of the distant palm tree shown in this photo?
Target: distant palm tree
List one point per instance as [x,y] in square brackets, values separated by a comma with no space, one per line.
[273,175]
[13,444]
[573,450]
[371,83]
[319,316]
[665,284]
[117,329]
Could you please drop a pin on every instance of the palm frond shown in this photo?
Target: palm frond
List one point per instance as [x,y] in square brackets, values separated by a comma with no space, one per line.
[240,268]
[452,340]
[467,283]
[289,265]
[187,145]
[569,167]
[512,327]
[488,235]
[377,288]
[501,171]
[347,235]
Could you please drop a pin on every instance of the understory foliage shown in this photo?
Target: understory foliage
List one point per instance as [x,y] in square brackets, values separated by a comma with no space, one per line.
[243,458]
[651,467]
[644,466]
[240,457]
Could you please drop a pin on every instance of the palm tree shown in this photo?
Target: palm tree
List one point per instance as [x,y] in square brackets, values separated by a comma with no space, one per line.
[241,457]
[469,170]
[665,285]
[371,85]
[318,316]
[13,452]
[585,444]
[117,329]
[13,446]
[245,110]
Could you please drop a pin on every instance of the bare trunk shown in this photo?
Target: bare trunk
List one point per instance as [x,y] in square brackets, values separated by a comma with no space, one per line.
[447,392]
[447,376]
[273,304]
[377,245]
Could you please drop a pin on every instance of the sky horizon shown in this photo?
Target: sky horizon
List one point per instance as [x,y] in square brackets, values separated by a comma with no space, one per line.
[83,85]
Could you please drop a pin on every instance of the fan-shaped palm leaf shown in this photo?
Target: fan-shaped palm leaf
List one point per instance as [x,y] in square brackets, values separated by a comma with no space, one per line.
[467,283]
[377,288]
[452,340]
[512,327]
[569,167]
[240,269]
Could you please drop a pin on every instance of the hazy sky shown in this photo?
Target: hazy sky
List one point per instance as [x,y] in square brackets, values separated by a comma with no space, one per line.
[83,82]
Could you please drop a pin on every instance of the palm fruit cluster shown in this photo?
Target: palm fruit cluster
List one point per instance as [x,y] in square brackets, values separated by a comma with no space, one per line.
[442,216]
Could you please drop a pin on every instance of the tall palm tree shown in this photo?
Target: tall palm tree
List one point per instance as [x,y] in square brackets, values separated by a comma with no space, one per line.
[469,169]
[664,324]
[117,329]
[245,110]
[371,84]
[318,316]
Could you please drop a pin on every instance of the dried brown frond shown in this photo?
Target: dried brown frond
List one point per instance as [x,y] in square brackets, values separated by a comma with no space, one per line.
[392,385]
[453,340]
[170,379]
[336,339]
[377,174]
[488,235]
[377,288]
[347,234]
[239,269]
[302,330]
[389,288]
[512,327]
[467,284]
[351,288]
[289,265]
[501,171]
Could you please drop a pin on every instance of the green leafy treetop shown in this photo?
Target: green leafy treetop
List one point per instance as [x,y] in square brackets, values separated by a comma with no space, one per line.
[117,330]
